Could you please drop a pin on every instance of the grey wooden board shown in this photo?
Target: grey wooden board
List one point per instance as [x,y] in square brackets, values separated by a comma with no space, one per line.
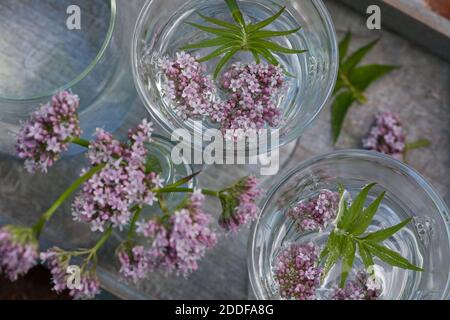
[414,21]
[419,92]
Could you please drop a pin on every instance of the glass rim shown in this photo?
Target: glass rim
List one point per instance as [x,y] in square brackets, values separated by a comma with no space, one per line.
[340,154]
[160,118]
[84,73]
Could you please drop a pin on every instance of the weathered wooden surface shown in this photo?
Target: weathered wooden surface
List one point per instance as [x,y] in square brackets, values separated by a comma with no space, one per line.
[419,92]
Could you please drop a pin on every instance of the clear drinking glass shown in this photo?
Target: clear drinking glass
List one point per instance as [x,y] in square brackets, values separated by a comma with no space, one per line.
[42,52]
[161,30]
[425,241]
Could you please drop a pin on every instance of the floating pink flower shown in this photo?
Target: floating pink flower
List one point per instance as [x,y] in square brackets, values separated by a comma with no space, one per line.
[387,136]
[124,181]
[46,134]
[362,288]
[18,251]
[58,262]
[187,85]
[239,203]
[316,213]
[254,90]
[297,273]
[180,241]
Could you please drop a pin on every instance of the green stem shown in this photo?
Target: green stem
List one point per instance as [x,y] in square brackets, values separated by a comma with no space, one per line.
[136,215]
[80,142]
[187,190]
[356,93]
[421,143]
[37,228]
[102,240]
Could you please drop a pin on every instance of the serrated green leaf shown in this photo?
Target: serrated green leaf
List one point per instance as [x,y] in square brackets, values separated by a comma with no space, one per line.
[356,57]
[216,53]
[389,256]
[221,23]
[220,41]
[384,234]
[270,33]
[366,257]
[235,12]
[221,32]
[355,209]
[364,220]
[254,27]
[334,255]
[347,260]
[362,77]
[339,110]
[343,47]
[224,60]
[273,46]
[331,242]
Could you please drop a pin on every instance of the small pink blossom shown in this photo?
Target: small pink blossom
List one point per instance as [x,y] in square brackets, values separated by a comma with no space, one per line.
[45,135]
[18,251]
[386,136]
[297,273]
[362,288]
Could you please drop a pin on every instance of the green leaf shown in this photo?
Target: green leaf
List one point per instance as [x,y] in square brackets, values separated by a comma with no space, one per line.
[339,110]
[221,32]
[235,12]
[335,253]
[268,56]
[184,180]
[224,60]
[255,55]
[364,220]
[339,85]
[362,77]
[384,234]
[355,209]
[347,260]
[273,46]
[391,257]
[331,242]
[216,53]
[221,23]
[254,27]
[343,46]
[220,41]
[366,257]
[357,56]
[270,33]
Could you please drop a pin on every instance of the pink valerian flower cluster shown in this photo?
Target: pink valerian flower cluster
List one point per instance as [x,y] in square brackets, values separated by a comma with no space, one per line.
[187,85]
[253,90]
[18,251]
[316,213]
[175,243]
[121,184]
[362,288]
[297,273]
[239,203]
[387,136]
[58,261]
[133,261]
[45,135]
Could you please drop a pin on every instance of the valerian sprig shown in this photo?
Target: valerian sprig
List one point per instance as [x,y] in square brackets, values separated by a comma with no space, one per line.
[240,36]
[352,81]
[350,235]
